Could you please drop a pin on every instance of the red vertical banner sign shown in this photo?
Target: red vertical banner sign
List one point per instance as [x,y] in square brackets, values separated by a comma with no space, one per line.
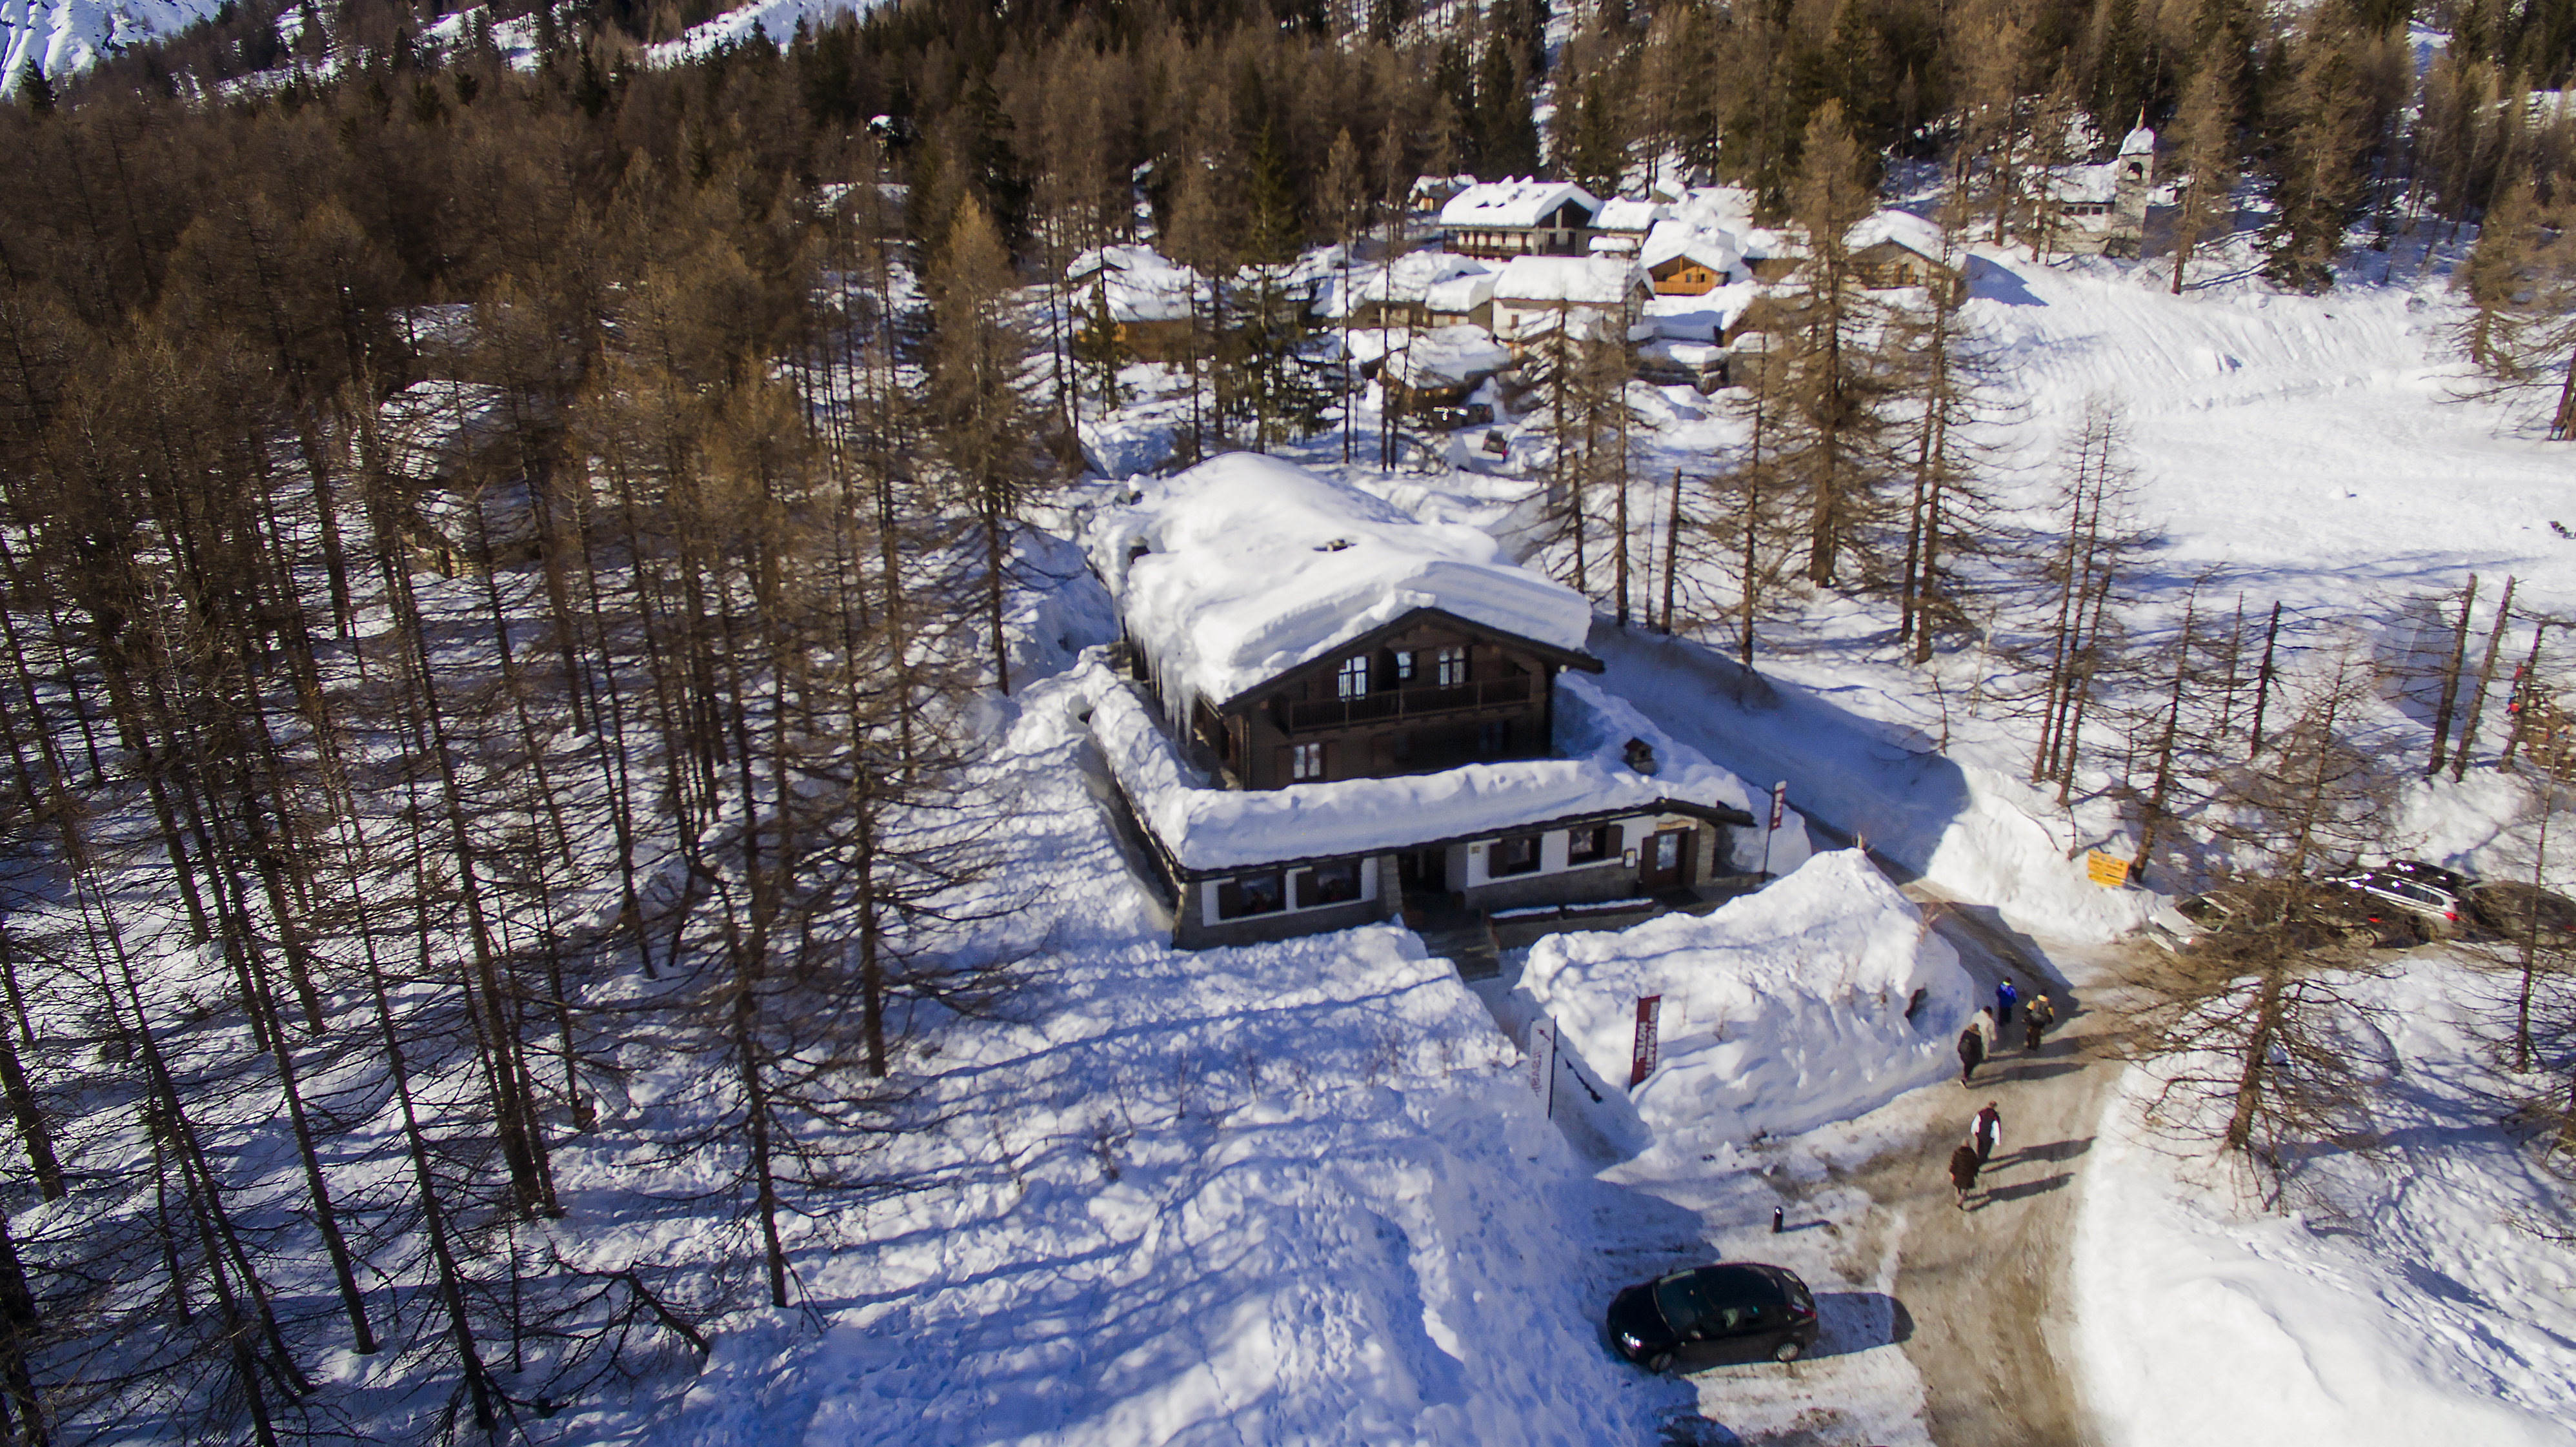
[1641,1057]
[1779,806]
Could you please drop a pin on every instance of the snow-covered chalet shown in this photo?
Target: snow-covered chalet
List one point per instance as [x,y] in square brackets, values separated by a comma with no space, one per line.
[1325,711]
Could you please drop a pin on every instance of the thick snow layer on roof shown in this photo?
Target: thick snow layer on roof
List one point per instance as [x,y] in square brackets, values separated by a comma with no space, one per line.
[1240,580]
[1516,202]
[2140,142]
[1766,243]
[1628,213]
[1902,227]
[1216,829]
[1671,240]
[1703,317]
[1784,1010]
[1575,280]
[1460,295]
[1143,285]
[429,425]
[2098,185]
[1409,278]
[1447,356]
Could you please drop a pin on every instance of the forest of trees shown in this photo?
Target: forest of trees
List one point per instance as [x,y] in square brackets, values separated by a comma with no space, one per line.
[494,563]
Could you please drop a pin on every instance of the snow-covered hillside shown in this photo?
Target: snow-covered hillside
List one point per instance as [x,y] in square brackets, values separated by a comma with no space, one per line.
[65,36]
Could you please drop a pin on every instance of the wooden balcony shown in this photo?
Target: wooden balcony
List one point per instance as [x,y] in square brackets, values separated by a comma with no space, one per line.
[1402,703]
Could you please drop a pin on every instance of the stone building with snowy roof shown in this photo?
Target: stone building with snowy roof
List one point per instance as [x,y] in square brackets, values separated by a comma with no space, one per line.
[1330,710]
[1148,297]
[2101,208]
[1536,297]
[1519,217]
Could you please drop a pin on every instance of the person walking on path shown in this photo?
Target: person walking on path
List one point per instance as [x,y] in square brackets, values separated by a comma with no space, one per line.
[1972,1053]
[1984,1025]
[2005,995]
[1988,1132]
[2036,1017]
[1963,1172]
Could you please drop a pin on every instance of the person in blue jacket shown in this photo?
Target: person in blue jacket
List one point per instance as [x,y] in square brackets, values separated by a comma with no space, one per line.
[2005,995]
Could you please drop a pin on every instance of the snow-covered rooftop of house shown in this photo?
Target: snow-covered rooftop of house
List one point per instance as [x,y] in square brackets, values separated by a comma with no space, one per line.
[1767,243]
[1901,227]
[1574,280]
[1409,278]
[1673,240]
[1143,285]
[1629,213]
[1446,357]
[1460,294]
[428,425]
[1253,566]
[2140,142]
[1207,828]
[1701,318]
[1516,202]
[1440,188]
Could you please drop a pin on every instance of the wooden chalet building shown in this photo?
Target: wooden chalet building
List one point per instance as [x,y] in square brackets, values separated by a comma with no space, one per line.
[1519,217]
[1328,710]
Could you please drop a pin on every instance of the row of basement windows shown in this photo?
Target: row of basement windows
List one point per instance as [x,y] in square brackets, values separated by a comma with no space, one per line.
[1279,891]
[1445,667]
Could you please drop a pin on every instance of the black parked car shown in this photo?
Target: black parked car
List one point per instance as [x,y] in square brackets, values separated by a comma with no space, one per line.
[1733,1311]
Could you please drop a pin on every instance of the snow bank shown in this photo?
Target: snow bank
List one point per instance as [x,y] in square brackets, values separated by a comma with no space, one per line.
[2424,1305]
[1207,828]
[1791,1003]
[1251,566]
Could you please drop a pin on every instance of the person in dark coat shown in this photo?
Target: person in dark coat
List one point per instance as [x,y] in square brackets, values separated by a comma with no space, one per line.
[2005,995]
[2036,1017]
[1988,1132]
[1972,1053]
[1963,1172]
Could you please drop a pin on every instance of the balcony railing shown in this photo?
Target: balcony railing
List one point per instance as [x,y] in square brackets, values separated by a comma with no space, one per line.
[1403,703]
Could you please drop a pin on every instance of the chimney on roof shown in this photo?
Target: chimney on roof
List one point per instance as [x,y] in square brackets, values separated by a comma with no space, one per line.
[1641,756]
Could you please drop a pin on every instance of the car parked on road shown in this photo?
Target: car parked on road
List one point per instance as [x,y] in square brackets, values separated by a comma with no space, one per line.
[2315,916]
[2519,912]
[1732,1311]
[2436,908]
[2432,874]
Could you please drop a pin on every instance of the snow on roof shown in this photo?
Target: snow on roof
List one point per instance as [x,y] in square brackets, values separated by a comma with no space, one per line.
[2140,142]
[1441,188]
[1253,566]
[1703,317]
[1627,213]
[429,426]
[1517,202]
[1409,278]
[1571,280]
[1766,243]
[1676,240]
[2098,185]
[1448,357]
[1212,829]
[1460,295]
[1901,227]
[1142,284]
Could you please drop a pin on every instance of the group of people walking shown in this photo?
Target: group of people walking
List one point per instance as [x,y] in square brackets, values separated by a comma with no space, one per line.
[1977,1042]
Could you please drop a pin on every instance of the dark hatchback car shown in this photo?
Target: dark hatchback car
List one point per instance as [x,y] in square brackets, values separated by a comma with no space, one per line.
[1733,1311]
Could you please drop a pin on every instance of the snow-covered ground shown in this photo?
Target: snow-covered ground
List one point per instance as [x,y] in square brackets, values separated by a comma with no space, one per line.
[66,36]
[2418,1297]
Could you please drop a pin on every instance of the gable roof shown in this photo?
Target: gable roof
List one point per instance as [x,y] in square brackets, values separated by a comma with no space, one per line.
[1519,202]
[1678,241]
[1899,228]
[1568,280]
[1240,579]
[1142,284]
[1409,278]
[1627,213]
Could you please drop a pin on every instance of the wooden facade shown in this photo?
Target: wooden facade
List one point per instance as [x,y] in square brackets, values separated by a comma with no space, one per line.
[1565,231]
[1684,276]
[1427,692]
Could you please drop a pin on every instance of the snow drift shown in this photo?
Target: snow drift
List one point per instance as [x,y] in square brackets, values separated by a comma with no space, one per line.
[1791,1003]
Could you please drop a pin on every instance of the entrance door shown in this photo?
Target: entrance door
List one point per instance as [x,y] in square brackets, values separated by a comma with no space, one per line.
[1665,862]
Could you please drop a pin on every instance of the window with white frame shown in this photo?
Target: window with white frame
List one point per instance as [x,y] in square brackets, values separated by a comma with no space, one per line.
[1305,762]
[1352,680]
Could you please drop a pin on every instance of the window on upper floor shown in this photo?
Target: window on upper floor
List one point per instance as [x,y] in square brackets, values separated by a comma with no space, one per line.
[1449,667]
[1352,679]
[1402,665]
